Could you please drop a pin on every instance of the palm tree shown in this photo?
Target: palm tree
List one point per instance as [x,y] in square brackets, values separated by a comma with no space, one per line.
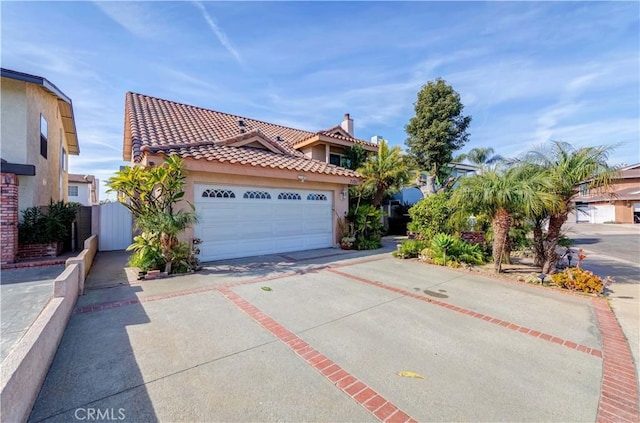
[481,157]
[565,168]
[384,172]
[500,195]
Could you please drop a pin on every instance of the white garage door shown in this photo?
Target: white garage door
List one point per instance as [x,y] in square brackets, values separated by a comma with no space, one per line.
[602,214]
[242,221]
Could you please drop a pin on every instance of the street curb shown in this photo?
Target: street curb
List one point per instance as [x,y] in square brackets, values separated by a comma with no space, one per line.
[619,393]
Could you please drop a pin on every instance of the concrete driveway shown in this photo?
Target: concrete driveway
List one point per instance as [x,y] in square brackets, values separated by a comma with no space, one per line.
[326,343]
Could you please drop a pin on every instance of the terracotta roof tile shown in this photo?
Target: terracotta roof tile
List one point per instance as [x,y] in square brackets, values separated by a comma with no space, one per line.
[166,126]
[253,157]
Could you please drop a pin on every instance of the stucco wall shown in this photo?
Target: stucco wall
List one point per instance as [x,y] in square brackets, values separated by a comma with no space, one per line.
[84,196]
[13,130]
[46,184]
[22,105]
[319,152]
[624,211]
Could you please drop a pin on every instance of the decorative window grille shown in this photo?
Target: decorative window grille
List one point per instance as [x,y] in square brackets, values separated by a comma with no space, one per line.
[261,195]
[317,197]
[289,196]
[218,193]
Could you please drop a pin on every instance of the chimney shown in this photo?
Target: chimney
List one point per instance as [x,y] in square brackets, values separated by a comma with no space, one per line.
[347,124]
[376,139]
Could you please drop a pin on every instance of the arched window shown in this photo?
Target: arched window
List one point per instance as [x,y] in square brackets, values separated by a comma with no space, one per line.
[218,193]
[261,195]
[289,196]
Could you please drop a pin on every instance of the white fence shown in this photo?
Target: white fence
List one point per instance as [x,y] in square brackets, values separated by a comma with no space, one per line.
[115,230]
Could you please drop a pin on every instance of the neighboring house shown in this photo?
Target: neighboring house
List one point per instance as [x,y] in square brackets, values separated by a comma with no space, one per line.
[620,205]
[258,188]
[37,134]
[412,194]
[83,189]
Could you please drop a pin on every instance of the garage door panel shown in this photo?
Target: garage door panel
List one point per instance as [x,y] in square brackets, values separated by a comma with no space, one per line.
[317,226]
[317,241]
[261,224]
[289,244]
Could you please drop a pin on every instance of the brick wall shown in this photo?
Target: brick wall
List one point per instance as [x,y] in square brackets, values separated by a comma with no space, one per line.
[473,237]
[30,251]
[9,217]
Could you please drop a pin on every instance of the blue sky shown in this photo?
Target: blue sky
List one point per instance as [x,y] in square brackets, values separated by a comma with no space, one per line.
[528,72]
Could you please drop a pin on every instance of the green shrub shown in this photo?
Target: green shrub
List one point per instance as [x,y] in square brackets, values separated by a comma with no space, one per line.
[447,250]
[147,252]
[367,244]
[368,227]
[431,215]
[578,279]
[54,225]
[410,248]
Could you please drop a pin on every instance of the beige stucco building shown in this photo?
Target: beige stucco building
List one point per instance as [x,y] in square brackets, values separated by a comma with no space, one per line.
[257,187]
[37,134]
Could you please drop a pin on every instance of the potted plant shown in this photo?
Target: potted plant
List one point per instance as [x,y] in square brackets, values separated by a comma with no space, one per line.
[347,238]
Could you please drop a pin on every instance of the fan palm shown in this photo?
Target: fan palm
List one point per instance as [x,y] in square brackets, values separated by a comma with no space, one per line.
[564,168]
[481,156]
[384,172]
[500,195]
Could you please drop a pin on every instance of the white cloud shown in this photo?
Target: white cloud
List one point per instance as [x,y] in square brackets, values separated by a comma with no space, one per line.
[222,37]
[135,17]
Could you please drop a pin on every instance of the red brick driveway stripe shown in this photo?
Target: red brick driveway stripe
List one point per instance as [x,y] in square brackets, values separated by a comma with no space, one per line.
[619,392]
[476,315]
[375,403]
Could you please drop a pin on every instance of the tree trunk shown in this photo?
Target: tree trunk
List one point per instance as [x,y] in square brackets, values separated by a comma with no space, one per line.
[553,235]
[501,224]
[378,197]
[429,187]
[538,244]
[508,247]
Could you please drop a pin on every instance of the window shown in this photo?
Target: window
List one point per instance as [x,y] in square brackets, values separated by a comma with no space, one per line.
[261,195]
[317,197]
[218,193]
[63,159]
[334,159]
[44,130]
[289,196]
[72,191]
[339,160]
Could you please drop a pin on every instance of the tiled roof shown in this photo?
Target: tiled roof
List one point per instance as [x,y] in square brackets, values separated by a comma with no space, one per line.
[80,179]
[154,123]
[330,134]
[252,157]
[630,194]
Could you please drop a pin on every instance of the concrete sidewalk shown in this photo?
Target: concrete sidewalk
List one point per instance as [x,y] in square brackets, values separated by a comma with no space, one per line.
[24,293]
[326,342]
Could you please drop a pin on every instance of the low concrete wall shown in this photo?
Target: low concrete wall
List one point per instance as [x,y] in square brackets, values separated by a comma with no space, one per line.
[25,368]
[85,260]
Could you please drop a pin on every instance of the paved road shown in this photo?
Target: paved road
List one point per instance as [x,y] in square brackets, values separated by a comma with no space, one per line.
[615,250]
[326,341]
[24,293]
